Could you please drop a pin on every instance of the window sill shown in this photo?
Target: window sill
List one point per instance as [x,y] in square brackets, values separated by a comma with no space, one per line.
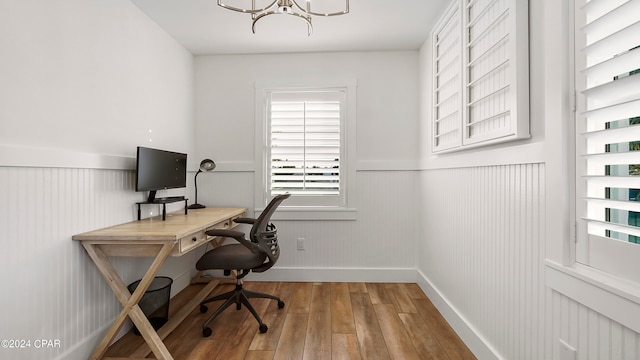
[522,152]
[313,213]
[608,295]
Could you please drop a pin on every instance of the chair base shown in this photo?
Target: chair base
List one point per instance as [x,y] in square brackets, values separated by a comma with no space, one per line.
[237,296]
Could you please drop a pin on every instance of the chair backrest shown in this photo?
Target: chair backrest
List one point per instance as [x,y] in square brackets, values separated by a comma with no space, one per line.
[265,235]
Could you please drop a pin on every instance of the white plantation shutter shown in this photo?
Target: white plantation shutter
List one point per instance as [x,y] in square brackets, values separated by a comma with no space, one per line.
[488,67]
[608,135]
[480,74]
[305,143]
[496,71]
[447,81]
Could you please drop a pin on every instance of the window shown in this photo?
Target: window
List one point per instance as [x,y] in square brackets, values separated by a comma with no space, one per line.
[608,135]
[307,136]
[305,143]
[480,74]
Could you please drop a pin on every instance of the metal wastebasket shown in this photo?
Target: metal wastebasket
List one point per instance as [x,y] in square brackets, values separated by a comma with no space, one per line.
[155,301]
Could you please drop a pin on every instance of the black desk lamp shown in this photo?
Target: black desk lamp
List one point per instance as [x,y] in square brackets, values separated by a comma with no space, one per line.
[205,165]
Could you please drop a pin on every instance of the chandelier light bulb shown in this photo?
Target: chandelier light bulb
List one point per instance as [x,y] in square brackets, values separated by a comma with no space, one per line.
[285,10]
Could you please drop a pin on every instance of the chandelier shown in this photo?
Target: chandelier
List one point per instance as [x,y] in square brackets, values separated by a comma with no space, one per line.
[284,7]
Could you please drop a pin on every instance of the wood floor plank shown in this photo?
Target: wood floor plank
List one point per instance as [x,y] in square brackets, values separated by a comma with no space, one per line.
[186,337]
[259,355]
[237,343]
[294,333]
[358,287]
[345,347]
[398,341]
[448,339]
[414,291]
[400,298]
[341,312]
[313,325]
[378,293]
[370,338]
[318,343]
[423,338]
[205,350]
[301,298]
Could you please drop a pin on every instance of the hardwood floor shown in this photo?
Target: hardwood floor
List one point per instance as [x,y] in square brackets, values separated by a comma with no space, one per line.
[320,321]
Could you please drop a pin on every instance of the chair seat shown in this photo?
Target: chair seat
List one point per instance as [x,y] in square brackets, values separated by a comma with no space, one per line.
[230,257]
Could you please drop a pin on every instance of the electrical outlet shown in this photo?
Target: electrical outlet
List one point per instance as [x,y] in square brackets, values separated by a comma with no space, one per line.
[300,243]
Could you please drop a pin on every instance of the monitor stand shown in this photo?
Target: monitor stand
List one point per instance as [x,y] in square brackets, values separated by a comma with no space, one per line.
[152,196]
[151,199]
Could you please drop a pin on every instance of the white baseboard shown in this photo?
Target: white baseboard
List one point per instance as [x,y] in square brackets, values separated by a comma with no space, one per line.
[474,341]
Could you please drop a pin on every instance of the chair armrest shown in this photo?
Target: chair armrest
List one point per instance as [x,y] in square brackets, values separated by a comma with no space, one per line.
[244,220]
[238,235]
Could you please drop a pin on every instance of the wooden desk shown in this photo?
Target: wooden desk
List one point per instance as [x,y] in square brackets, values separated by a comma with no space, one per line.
[152,237]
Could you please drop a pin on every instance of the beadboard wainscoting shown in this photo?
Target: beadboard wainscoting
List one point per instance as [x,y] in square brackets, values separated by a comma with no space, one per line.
[481,256]
[50,289]
[380,245]
[589,333]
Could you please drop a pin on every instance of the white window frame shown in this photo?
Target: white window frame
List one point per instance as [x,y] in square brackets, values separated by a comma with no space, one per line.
[306,207]
[493,106]
[593,248]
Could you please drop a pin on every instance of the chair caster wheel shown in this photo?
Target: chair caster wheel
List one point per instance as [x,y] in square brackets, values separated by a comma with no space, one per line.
[280,304]
[203,308]
[206,332]
[263,328]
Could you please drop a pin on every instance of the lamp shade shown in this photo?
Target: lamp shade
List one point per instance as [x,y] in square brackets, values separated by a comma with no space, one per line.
[205,165]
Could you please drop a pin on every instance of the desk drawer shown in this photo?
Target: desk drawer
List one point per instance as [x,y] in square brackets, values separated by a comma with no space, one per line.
[191,241]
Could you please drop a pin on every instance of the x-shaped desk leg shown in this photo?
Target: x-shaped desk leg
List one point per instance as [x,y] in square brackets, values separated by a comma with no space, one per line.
[130,301]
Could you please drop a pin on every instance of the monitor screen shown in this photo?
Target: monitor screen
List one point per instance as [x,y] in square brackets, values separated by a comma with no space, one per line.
[160,169]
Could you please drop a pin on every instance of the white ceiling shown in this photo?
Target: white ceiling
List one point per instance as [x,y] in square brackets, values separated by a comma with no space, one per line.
[203,27]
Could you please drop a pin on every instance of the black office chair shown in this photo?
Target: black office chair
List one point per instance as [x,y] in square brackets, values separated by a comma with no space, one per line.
[258,253]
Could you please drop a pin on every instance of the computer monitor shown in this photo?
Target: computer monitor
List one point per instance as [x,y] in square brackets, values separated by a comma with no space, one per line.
[159,170]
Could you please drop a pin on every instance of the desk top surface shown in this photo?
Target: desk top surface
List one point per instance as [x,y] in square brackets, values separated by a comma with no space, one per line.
[176,226]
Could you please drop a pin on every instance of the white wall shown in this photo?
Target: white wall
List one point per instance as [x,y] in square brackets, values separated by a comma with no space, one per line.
[387,98]
[496,228]
[379,245]
[91,76]
[83,82]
